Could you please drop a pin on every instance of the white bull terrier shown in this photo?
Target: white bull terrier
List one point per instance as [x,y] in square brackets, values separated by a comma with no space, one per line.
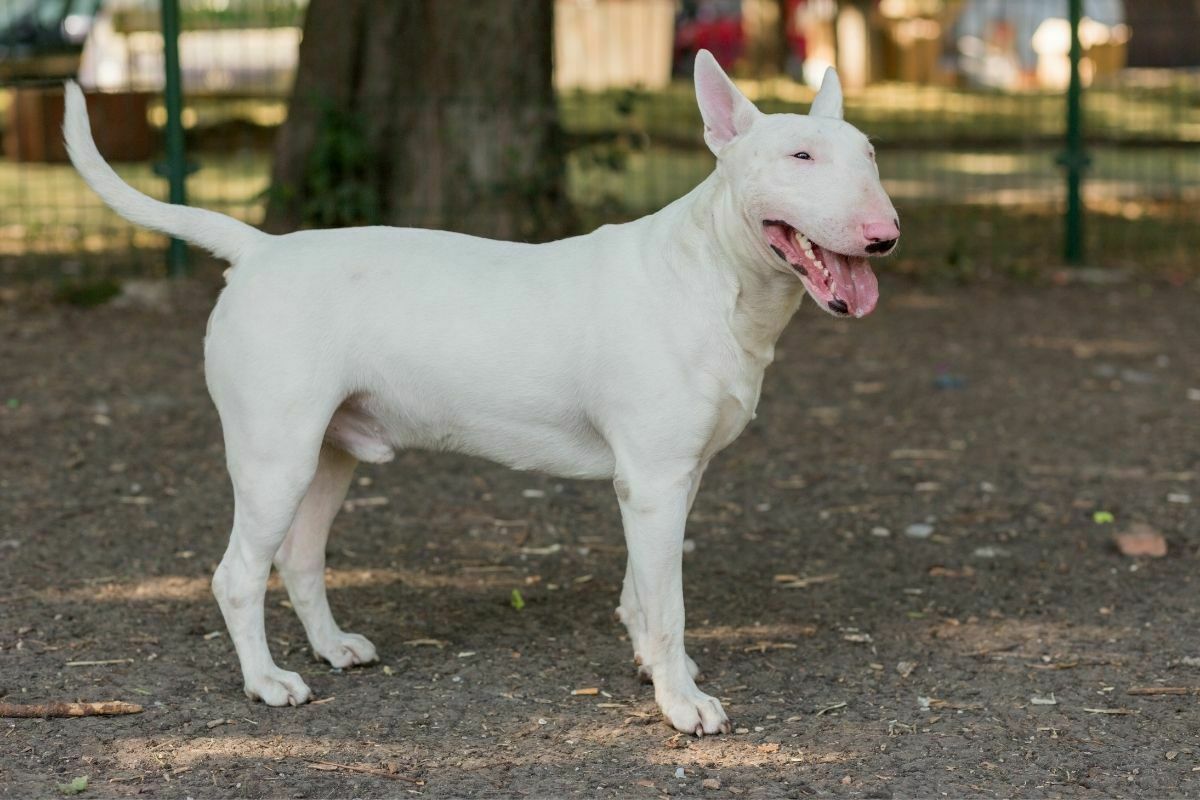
[632,354]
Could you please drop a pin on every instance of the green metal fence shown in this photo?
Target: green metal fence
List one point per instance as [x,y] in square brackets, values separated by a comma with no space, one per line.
[976,161]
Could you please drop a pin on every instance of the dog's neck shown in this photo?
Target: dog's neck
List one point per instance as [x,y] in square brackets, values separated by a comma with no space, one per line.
[715,238]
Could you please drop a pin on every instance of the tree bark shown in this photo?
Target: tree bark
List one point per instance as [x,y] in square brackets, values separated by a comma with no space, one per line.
[429,113]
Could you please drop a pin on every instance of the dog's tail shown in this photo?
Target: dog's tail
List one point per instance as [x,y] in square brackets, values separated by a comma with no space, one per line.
[221,235]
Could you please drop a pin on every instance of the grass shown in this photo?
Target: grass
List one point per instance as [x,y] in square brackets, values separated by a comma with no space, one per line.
[992,206]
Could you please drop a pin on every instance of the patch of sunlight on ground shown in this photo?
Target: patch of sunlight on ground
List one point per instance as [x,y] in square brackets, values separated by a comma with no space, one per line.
[178,587]
[756,633]
[1036,642]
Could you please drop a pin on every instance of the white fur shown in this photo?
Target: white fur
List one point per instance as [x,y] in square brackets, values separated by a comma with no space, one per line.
[631,354]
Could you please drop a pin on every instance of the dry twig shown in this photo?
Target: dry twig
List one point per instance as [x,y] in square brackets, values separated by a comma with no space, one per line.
[35,710]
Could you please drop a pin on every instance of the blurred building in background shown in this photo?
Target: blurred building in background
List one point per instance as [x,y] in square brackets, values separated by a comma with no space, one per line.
[1006,44]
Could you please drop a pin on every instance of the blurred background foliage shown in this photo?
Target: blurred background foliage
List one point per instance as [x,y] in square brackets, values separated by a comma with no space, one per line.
[964,98]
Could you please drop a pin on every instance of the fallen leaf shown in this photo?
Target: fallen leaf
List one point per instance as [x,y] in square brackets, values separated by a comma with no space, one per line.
[364,502]
[763,647]
[938,571]
[541,551]
[1141,540]
[804,583]
[937,703]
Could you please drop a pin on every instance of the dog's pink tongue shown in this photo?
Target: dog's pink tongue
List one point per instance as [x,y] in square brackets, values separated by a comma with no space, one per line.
[866,287]
[853,282]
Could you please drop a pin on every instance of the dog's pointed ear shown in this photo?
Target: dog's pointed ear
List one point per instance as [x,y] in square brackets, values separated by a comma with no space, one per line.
[726,112]
[828,102]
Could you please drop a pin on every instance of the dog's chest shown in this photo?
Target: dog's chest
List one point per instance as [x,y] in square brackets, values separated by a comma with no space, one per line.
[738,389]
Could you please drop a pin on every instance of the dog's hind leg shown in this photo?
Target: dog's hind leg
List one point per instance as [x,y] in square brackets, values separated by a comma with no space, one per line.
[301,562]
[271,465]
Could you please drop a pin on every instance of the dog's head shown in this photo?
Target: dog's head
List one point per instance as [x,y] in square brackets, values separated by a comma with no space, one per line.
[807,185]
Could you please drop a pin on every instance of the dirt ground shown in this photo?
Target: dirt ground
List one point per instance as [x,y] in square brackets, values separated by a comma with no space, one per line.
[1005,649]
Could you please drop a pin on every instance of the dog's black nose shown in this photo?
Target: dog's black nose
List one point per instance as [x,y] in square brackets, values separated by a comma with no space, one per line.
[882,247]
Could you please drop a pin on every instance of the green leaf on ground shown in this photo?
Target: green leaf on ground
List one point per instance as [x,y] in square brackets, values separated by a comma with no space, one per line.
[74,787]
[1103,518]
[517,601]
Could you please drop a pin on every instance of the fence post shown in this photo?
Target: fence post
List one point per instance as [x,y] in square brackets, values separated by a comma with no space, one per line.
[176,166]
[1075,159]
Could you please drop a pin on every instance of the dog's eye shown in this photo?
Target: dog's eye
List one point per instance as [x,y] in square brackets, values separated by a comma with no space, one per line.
[803,156]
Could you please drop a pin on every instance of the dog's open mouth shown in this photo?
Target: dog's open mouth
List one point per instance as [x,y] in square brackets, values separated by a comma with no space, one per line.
[843,284]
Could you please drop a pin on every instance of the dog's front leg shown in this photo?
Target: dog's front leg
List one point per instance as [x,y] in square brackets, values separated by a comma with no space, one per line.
[630,611]
[654,511]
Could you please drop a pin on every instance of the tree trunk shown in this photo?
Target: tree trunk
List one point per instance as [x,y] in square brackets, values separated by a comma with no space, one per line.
[429,113]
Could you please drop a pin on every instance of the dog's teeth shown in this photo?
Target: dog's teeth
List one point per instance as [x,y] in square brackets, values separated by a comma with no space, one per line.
[819,264]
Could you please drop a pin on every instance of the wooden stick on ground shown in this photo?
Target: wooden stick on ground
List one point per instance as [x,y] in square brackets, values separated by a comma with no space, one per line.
[106,662]
[1152,690]
[110,708]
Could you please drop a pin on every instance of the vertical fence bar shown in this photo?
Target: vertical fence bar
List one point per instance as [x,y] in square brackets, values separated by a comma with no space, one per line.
[1075,159]
[176,158]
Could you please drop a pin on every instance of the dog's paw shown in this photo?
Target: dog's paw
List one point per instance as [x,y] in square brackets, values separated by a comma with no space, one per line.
[346,650]
[692,711]
[278,687]
[646,674]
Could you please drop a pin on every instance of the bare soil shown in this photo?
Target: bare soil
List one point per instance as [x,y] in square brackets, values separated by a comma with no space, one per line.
[1002,654]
